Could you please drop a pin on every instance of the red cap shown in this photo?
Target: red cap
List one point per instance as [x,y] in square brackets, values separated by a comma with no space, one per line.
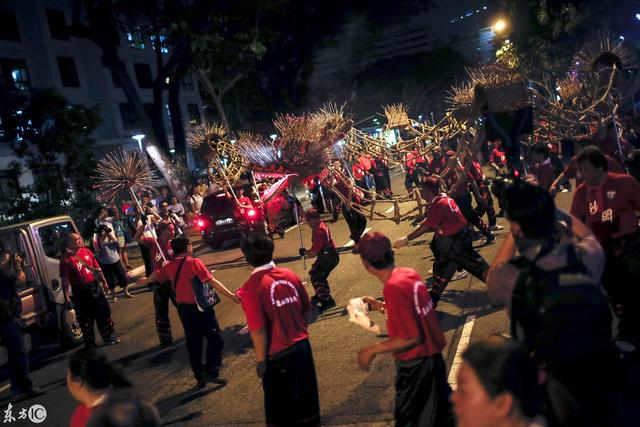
[373,246]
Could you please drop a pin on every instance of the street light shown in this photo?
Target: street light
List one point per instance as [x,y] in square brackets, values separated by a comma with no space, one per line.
[500,26]
[139,137]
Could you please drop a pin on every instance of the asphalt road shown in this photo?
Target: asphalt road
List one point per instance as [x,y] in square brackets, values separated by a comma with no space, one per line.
[348,395]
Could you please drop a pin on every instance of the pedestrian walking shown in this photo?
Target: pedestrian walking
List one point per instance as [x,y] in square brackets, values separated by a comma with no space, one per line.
[415,338]
[276,305]
[451,245]
[161,253]
[107,253]
[90,380]
[322,247]
[85,286]
[199,323]
[12,273]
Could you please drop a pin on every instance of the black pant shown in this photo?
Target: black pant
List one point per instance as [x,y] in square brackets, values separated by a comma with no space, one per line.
[162,294]
[326,261]
[422,393]
[92,307]
[473,218]
[290,388]
[115,275]
[146,257]
[621,279]
[487,200]
[356,222]
[11,333]
[199,325]
[452,253]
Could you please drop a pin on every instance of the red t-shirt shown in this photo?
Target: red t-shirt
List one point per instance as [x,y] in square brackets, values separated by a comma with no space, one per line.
[75,271]
[444,217]
[365,162]
[81,415]
[437,166]
[457,186]
[609,209]
[544,172]
[275,299]
[475,172]
[357,171]
[572,170]
[411,314]
[321,238]
[192,267]
[498,157]
[156,257]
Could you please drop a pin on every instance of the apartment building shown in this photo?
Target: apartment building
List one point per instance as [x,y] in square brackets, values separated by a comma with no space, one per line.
[36,51]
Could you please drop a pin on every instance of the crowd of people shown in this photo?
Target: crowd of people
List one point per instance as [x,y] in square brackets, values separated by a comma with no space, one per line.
[558,274]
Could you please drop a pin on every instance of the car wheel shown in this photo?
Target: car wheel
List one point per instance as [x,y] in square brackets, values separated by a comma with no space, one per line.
[70,331]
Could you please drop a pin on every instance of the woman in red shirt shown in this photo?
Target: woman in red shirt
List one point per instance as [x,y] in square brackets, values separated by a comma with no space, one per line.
[90,379]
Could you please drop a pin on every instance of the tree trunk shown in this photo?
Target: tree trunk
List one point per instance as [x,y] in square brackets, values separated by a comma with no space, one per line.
[215,97]
[177,124]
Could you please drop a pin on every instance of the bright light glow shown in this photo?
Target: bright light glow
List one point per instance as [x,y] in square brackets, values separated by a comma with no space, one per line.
[500,26]
[638,16]
[251,213]
[233,141]
[139,137]
[273,136]
[507,41]
[200,223]
[172,151]
[621,38]
[484,7]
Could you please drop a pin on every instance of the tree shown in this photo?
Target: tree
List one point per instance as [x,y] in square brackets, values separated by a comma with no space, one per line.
[52,141]
[101,21]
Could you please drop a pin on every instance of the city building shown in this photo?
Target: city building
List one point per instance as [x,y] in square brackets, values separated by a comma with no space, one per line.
[37,52]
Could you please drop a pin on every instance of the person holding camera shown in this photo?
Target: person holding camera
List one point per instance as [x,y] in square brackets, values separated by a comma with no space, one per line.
[107,253]
[85,285]
[12,272]
[547,274]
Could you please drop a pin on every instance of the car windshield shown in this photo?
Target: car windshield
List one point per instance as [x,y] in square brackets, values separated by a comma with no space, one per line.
[217,205]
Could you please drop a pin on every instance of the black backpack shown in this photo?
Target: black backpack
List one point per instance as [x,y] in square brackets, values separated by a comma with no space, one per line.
[561,315]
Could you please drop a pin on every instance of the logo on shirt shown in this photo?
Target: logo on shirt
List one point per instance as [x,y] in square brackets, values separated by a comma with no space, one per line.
[611,194]
[280,302]
[424,309]
[593,207]
[607,216]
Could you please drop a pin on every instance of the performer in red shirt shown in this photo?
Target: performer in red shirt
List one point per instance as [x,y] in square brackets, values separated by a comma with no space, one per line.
[541,167]
[85,286]
[198,325]
[276,305]
[161,253]
[608,203]
[484,200]
[498,159]
[451,245]
[438,162]
[324,249]
[415,338]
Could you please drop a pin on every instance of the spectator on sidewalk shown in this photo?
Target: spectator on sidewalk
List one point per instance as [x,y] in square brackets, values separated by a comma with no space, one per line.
[107,253]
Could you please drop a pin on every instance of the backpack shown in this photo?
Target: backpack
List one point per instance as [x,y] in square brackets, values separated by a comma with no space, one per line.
[561,315]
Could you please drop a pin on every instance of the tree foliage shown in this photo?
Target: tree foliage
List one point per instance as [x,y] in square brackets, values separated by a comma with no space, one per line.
[53,142]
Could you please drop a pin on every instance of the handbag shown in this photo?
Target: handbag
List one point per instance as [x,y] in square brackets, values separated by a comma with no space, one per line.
[206,297]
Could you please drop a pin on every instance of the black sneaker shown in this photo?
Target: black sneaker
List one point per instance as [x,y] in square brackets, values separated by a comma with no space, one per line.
[490,239]
[113,340]
[166,343]
[326,305]
[200,384]
[35,392]
[356,249]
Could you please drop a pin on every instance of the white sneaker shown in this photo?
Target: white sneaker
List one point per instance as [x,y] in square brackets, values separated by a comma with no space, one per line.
[459,276]
[430,271]
[496,227]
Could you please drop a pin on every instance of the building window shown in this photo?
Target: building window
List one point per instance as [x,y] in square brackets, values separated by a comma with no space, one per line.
[143,75]
[68,71]
[187,82]
[163,43]
[14,73]
[194,113]
[57,24]
[126,114]
[135,39]
[9,26]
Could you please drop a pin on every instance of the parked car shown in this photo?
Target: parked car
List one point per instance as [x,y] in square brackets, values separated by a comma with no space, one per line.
[44,312]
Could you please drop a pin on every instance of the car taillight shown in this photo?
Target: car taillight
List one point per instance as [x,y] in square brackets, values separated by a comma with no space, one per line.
[200,223]
[251,213]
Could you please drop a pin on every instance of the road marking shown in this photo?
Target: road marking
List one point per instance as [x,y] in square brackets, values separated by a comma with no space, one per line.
[352,243]
[390,209]
[290,228]
[463,343]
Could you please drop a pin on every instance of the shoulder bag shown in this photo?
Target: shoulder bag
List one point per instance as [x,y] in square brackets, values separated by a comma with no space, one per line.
[206,296]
